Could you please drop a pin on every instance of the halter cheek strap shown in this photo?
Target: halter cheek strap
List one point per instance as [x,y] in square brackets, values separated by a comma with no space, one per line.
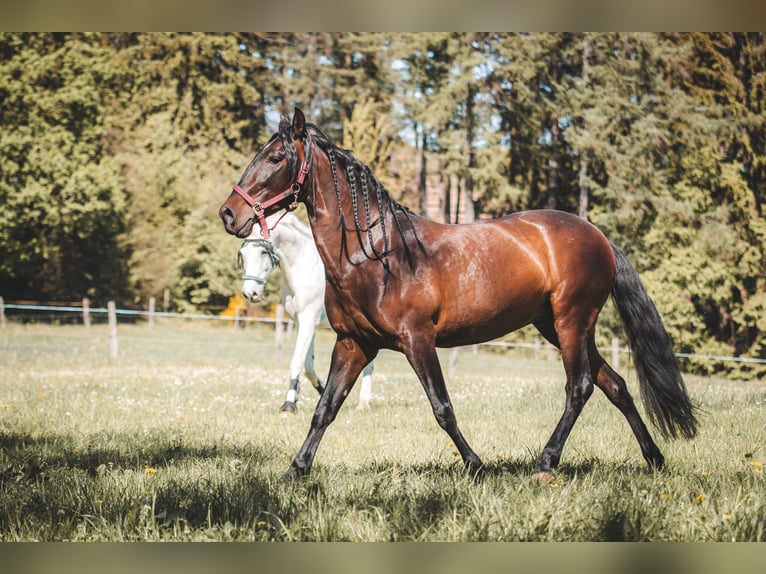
[293,191]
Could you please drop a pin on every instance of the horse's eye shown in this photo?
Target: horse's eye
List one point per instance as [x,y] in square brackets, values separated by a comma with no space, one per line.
[276,159]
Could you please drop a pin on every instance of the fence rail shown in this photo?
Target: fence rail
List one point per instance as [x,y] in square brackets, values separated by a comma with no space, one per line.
[133,312]
[280,322]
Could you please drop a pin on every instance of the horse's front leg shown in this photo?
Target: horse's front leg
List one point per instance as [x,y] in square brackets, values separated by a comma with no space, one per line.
[421,354]
[303,345]
[348,359]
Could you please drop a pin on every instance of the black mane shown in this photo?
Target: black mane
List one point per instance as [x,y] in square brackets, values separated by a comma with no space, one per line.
[362,182]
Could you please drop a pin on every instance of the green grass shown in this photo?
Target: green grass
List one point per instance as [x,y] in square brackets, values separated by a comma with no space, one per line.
[180,439]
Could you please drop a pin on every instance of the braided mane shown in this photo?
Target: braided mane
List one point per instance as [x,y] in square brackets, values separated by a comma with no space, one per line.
[361,182]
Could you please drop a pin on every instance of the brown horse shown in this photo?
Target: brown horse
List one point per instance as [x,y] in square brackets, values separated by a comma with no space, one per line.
[398,281]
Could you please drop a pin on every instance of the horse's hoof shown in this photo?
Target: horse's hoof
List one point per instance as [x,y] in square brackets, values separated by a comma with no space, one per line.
[477,473]
[293,473]
[287,409]
[544,477]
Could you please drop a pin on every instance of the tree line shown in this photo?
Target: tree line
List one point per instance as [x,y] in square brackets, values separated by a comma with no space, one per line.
[117,148]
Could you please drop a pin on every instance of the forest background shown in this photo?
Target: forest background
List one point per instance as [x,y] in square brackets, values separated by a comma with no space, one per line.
[117,148]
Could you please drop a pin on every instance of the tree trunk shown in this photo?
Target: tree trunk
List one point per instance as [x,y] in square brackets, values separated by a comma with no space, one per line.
[469,129]
[583,176]
[423,190]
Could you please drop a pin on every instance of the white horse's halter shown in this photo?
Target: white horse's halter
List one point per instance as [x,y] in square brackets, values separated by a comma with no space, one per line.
[268,247]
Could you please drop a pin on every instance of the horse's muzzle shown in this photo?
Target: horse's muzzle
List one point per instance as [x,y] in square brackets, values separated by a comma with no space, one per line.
[251,296]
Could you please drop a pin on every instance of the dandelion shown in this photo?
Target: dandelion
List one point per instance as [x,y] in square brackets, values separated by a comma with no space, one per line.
[99,501]
[4,405]
[700,497]
[727,517]
[260,523]
[150,470]
[665,495]
[756,463]
[42,394]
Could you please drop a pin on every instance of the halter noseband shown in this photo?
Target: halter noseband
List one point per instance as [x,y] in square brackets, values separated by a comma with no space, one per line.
[293,191]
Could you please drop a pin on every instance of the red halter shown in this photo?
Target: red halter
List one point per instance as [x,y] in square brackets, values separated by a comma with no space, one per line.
[292,191]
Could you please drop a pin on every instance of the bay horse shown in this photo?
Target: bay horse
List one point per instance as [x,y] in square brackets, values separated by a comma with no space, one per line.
[398,281]
[291,246]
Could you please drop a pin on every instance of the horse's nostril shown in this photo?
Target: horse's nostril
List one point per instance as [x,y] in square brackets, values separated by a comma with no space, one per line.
[226,215]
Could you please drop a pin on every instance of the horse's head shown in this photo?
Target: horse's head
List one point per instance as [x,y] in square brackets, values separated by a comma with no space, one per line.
[272,181]
[257,259]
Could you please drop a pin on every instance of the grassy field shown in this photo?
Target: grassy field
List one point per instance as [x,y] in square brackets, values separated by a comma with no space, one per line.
[179,439]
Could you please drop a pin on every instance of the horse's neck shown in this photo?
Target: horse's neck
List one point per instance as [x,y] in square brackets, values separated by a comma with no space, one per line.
[337,242]
[294,248]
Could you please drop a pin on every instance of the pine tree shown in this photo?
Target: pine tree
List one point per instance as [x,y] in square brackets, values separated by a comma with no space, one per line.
[61,191]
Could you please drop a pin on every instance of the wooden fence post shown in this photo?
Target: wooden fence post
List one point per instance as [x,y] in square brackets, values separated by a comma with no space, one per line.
[2,313]
[279,332]
[86,312]
[112,316]
[152,303]
[615,353]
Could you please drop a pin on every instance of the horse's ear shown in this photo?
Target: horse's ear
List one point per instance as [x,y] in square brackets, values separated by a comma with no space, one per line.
[299,123]
[284,122]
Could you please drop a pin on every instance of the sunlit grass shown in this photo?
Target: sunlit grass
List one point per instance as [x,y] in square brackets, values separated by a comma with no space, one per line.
[180,439]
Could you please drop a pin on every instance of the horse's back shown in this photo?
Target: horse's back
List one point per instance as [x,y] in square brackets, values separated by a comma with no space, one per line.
[509,272]
[543,243]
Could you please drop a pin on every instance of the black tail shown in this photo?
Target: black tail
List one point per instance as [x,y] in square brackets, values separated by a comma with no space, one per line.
[662,388]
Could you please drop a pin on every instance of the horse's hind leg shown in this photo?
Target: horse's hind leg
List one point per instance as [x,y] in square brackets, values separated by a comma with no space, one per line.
[579,387]
[310,371]
[615,389]
[365,393]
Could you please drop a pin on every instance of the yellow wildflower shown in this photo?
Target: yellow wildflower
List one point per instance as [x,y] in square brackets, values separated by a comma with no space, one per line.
[150,470]
[700,497]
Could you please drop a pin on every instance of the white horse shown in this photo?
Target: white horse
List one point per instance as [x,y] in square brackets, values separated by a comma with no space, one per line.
[292,244]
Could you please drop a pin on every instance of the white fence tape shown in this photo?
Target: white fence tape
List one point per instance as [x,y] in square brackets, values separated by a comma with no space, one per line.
[544,346]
